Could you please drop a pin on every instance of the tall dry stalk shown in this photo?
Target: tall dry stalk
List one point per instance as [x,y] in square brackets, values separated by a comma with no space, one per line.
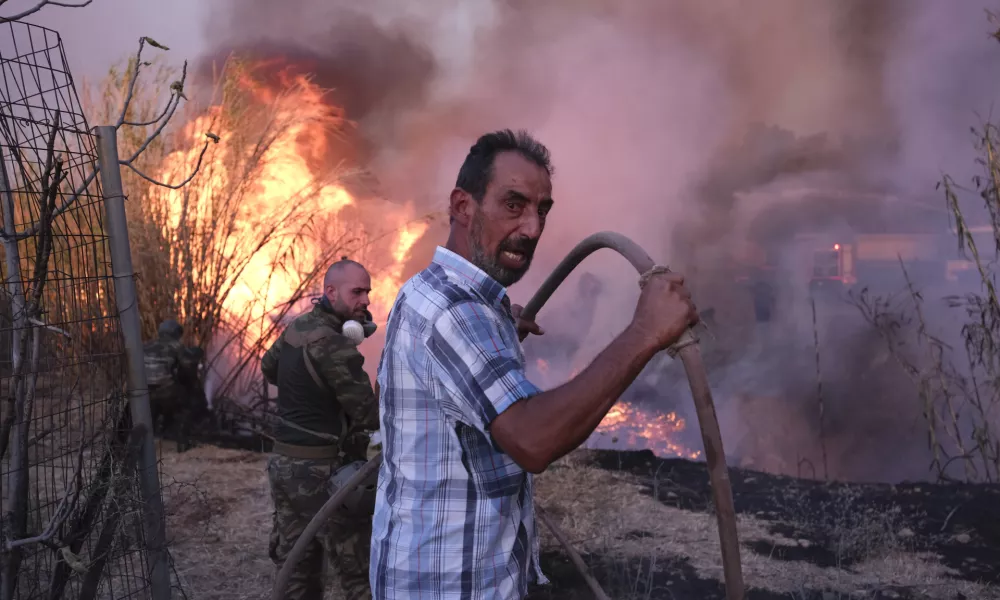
[241,246]
[959,388]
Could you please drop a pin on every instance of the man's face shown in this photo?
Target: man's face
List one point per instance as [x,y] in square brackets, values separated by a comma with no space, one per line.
[349,299]
[508,223]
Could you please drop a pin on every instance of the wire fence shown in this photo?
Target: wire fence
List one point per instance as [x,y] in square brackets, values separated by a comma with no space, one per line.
[72,523]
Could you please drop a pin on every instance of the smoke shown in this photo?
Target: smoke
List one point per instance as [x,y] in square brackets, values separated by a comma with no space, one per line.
[678,124]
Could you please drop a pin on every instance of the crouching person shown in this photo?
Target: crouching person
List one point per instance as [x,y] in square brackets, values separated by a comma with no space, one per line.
[326,409]
[175,395]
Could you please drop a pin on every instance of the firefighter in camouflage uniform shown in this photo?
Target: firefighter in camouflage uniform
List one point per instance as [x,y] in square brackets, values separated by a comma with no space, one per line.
[175,393]
[327,410]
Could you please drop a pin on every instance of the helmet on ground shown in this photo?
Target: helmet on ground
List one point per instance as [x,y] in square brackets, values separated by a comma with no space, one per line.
[170,328]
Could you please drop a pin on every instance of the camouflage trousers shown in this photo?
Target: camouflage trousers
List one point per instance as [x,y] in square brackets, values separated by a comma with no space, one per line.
[171,403]
[299,488]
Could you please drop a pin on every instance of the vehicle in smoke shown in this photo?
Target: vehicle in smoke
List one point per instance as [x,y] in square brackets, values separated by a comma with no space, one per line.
[830,240]
[873,261]
[829,267]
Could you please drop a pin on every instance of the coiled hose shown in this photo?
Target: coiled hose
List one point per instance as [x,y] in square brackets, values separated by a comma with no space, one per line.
[690,354]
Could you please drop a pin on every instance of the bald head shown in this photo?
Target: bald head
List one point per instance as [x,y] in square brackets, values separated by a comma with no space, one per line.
[346,286]
[341,269]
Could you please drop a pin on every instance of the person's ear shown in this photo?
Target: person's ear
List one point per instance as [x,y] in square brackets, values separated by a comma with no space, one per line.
[462,207]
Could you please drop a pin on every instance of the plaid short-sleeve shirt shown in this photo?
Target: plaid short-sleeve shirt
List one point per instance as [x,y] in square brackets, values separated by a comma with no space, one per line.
[454,515]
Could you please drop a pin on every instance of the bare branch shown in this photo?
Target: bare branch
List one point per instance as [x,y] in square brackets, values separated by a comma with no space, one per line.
[42,4]
[156,119]
[176,95]
[43,325]
[130,92]
[62,512]
[186,181]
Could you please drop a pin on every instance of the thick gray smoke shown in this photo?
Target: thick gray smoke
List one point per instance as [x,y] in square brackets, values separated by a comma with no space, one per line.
[675,123]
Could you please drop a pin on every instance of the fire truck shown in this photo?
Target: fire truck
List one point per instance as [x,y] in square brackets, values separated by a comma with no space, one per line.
[825,242]
[840,263]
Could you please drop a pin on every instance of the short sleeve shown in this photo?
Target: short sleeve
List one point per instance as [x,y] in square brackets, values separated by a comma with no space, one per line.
[477,365]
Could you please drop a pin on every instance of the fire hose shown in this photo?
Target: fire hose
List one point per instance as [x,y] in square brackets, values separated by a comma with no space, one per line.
[690,354]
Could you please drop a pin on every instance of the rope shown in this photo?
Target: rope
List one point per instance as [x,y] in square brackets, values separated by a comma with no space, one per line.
[689,338]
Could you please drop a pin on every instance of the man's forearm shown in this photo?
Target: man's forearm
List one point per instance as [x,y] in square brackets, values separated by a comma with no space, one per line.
[541,429]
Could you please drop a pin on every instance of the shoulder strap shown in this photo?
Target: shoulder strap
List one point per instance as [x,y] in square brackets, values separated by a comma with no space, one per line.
[300,339]
[321,382]
[312,369]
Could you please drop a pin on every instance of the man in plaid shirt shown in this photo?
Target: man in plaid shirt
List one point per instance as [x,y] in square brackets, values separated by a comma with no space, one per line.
[461,425]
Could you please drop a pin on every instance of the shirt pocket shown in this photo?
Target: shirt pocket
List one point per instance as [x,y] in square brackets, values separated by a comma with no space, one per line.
[495,474]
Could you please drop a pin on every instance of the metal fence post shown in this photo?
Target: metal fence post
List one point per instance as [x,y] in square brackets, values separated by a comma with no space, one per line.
[138,391]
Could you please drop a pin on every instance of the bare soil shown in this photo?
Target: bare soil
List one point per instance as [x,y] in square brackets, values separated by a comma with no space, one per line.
[645,527]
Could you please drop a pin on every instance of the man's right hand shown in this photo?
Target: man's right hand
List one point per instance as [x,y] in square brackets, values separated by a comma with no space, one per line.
[664,310]
[538,432]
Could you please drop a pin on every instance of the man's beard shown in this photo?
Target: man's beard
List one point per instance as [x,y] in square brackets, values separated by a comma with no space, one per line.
[340,308]
[491,264]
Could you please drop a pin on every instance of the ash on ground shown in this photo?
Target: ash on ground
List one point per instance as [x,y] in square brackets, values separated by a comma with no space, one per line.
[646,528]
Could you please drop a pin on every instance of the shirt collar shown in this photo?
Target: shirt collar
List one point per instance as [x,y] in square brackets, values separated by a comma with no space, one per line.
[324,311]
[472,276]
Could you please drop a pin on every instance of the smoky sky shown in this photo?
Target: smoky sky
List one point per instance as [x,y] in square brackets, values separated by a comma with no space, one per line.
[107,32]
[676,123]
[654,111]
[664,119]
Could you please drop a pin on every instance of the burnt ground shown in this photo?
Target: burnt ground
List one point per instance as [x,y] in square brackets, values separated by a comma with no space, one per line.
[801,539]
[645,527]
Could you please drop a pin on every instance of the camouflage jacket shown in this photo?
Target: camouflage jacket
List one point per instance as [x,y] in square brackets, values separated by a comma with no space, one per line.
[168,361]
[337,363]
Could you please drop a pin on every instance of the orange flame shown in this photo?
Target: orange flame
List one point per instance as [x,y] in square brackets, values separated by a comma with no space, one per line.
[628,427]
[634,427]
[286,184]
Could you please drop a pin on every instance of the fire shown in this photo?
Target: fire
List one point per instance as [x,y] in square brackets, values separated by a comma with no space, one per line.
[633,427]
[629,427]
[266,255]
[389,280]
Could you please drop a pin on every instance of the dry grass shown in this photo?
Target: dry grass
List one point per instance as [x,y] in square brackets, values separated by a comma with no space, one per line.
[219,519]
[602,511]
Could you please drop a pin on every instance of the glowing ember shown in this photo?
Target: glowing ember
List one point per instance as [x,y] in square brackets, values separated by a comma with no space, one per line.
[626,426]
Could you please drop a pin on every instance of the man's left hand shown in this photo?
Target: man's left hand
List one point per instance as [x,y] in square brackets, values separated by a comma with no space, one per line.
[524,326]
